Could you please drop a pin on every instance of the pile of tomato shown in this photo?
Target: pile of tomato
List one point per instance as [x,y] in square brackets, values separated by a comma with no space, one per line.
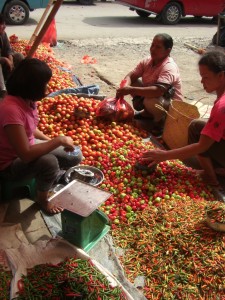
[113,147]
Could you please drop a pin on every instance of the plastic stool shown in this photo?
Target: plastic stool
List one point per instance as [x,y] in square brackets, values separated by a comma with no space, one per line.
[17,188]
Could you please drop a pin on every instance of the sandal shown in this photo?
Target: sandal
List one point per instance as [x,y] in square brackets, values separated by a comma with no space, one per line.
[157,132]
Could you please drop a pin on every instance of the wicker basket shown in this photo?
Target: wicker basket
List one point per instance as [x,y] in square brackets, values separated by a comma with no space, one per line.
[179,116]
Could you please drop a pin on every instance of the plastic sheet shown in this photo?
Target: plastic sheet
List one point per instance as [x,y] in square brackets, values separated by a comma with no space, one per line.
[88,90]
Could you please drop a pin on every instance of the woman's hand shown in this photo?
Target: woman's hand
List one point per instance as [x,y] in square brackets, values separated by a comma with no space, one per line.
[153,157]
[66,142]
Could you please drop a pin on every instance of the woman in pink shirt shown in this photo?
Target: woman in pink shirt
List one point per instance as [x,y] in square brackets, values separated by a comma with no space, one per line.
[206,137]
[20,156]
[151,80]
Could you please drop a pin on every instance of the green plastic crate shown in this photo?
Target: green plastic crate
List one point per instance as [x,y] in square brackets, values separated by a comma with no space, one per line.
[84,232]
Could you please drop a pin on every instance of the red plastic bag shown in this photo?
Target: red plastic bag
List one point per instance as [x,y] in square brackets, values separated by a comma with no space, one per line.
[50,35]
[115,109]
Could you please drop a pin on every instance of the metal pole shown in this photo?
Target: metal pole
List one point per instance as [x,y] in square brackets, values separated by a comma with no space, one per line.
[44,28]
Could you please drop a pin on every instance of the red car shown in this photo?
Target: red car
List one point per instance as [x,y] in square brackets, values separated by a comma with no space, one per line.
[170,11]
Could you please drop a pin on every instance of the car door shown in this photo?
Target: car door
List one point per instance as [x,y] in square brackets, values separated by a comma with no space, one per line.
[209,7]
[33,4]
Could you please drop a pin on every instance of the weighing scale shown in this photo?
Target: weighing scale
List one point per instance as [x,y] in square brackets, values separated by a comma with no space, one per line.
[82,223]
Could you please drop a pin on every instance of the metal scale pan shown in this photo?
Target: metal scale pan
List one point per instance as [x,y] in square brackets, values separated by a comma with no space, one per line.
[80,198]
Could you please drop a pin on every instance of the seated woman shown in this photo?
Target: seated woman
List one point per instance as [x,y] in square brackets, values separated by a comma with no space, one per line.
[21,156]
[154,80]
[206,137]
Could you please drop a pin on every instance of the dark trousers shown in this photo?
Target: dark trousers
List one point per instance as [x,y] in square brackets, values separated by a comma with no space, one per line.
[45,169]
[5,72]
[216,152]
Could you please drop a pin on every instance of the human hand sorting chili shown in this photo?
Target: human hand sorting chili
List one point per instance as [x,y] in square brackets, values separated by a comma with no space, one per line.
[153,157]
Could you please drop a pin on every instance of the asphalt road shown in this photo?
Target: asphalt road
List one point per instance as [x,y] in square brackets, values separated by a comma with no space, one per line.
[111,19]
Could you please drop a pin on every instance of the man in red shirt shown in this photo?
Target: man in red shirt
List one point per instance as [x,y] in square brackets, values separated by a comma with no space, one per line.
[151,80]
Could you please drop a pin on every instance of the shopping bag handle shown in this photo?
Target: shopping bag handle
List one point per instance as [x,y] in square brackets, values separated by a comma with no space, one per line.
[163,109]
[199,100]
[207,106]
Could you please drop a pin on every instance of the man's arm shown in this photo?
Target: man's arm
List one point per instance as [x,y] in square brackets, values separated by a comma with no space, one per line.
[153,91]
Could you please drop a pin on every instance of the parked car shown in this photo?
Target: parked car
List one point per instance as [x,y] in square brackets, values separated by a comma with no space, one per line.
[17,11]
[170,11]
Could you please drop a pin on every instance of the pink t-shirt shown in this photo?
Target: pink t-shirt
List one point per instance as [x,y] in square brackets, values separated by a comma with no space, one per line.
[14,110]
[215,127]
[167,72]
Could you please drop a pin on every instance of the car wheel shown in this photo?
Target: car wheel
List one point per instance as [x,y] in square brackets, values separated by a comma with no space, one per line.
[142,14]
[86,2]
[16,12]
[171,13]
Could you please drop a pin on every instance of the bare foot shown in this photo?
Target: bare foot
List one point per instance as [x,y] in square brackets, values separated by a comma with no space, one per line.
[50,208]
[207,179]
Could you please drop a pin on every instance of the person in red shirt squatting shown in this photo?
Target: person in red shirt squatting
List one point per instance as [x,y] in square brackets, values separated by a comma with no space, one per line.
[155,80]
[25,152]
[206,137]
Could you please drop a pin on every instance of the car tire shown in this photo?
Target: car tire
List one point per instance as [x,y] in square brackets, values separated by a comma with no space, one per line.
[16,12]
[142,14]
[86,2]
[171,13]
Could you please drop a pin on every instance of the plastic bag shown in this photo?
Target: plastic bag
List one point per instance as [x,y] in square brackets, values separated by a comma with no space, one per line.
[115,109]
[50,35]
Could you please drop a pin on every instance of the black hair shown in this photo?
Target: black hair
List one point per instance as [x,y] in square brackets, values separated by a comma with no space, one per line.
[167,40]
[29,79]
[214,60]
[2,19]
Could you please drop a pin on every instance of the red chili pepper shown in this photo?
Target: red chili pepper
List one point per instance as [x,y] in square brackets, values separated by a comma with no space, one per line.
[20,285]
[73,295]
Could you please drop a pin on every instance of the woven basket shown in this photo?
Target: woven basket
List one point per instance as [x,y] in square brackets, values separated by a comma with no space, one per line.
[179,116]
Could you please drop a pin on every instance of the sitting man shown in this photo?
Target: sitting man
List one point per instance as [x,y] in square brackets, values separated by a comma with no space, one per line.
[8,58]
[154,80]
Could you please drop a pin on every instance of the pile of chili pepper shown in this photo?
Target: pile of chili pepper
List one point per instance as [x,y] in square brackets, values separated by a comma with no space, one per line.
[174,249]
[71,279]
[5,279]
[216,213]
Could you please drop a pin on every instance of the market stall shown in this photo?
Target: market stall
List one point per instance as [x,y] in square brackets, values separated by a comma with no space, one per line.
[157,217]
